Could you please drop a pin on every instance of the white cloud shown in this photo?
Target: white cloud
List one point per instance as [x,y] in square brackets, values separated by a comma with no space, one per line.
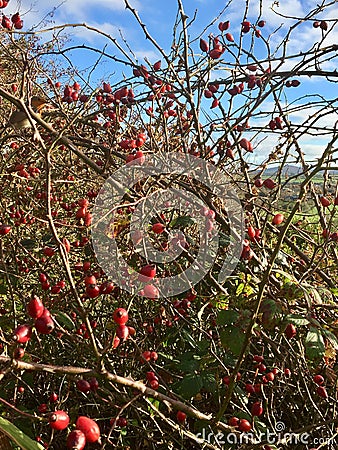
[151,55]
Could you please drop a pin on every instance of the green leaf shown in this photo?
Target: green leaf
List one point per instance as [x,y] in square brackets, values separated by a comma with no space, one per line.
[3,287]
[297,320]
[311,295]
[48,237]
[64,320]
[28,243]
[190,385]
[209,382]
[88,250]
[241,396]
[189,362]
[182,221]
[226,317]
[155,403]
[224,240]
[240,289]
[232,338]
[314,344]
[331,337]
[203,346]
[17,436]
[188,338]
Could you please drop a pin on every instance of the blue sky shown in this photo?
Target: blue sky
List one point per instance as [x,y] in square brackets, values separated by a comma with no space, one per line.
[111,17]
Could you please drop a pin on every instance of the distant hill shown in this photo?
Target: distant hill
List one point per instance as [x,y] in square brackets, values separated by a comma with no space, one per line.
[288,170]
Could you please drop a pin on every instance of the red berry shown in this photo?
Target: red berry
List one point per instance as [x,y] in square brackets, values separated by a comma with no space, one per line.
[83,386]
[246,145]
[157,65]
[89,428]
[146,356]
[48,251]
[318,379]
[94,384]
[93,291]
[6,23]
[325,201]
[245,27]
[251,232]
[151,376]
[122,332]
[107,288]
[323,25]
[53,397]
[278,219]
[257,388]
[120,316]
[4,229]
[116,342]
[151,291]
[35,307]
[249,388]
[321,391]
[204,46]
[44,324]
[270,376]
[58,420]
[226,380]
[81,212]
[90,280]
[295,83]
[258,358]
[290,331]
[257,409]
[229,37]
[270,184]
[122,422]
[86,266]
[215,103]
[16,17]
[261,368]
[158,228]
[43,408]
[223,26]
[139,157]
[76,440]
[45,286]
[154,384]
[18,353]
[181,416]
[132,331]
[147,272]
[259,182]
[244,425]
[23,333]
[233,421]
